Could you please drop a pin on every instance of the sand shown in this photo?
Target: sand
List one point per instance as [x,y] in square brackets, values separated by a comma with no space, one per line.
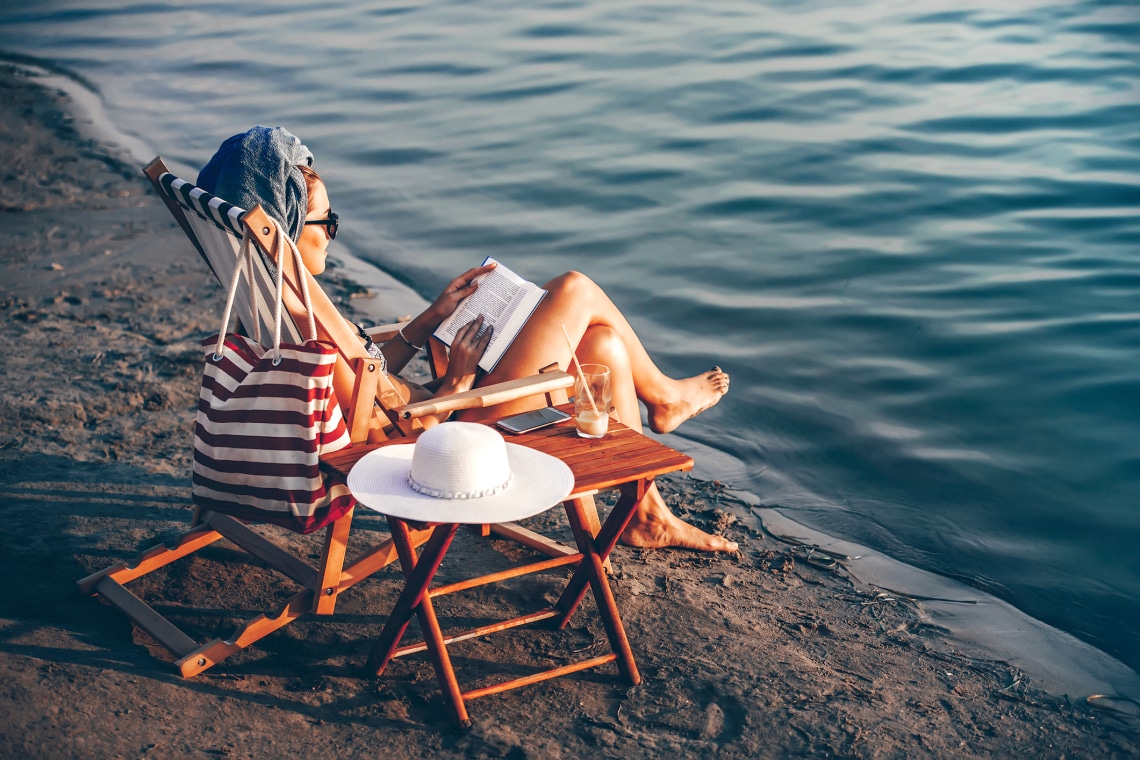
[777,651]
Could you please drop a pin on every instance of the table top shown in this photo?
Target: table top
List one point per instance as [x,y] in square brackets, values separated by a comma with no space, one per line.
[622,456]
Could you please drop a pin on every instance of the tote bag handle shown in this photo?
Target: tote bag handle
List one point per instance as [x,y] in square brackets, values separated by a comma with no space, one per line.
[246,256]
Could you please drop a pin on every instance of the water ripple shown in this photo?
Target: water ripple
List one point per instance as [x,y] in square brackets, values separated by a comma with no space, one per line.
[1101,118]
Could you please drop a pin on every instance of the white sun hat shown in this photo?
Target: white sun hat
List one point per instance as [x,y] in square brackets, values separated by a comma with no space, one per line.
[460,472]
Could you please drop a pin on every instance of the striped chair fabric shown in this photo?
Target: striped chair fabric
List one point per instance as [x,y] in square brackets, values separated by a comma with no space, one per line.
[210,207]
[218,228]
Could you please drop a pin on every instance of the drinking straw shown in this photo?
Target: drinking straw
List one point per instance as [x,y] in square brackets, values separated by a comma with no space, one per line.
[574,356]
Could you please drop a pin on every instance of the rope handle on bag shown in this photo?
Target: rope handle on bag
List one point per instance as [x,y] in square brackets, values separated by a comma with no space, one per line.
[246,253]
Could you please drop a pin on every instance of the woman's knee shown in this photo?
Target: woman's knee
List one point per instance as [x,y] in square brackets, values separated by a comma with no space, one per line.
[604,345]
[572,284]
[604,338]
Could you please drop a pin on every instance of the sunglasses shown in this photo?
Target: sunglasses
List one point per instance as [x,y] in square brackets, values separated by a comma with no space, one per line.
[333,223]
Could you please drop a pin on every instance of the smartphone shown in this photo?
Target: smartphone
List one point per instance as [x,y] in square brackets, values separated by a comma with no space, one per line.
[527,421]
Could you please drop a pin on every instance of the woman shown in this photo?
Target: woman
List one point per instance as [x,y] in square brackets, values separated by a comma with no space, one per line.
[273,168]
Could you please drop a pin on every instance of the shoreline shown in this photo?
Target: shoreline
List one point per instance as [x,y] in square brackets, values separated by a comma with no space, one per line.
[107,304]
[387,298]
[993,625]
[1058,661]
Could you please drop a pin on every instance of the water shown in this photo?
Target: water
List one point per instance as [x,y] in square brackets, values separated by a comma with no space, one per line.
[909,230]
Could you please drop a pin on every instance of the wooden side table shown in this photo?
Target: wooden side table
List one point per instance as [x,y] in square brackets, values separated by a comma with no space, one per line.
[623,459]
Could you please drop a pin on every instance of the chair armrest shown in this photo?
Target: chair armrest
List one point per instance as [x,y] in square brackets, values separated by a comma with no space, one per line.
[381,333]
[436,349]
[488,395]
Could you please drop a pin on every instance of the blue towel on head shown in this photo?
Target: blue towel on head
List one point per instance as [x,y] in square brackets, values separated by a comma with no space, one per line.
[260,167]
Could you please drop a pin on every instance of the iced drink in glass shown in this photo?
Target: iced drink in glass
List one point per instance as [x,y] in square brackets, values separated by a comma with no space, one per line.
[592,395]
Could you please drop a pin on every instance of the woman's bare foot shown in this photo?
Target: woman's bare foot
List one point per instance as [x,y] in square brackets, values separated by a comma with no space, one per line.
[694,395]
[653,527]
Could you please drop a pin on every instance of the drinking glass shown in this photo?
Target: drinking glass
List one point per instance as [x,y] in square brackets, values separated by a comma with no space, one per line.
[592,395]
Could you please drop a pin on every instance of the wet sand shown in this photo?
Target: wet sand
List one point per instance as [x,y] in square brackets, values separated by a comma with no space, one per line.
[777,651]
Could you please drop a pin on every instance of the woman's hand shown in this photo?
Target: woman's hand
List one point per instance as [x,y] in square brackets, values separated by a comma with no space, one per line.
[466,350]
[419,330]
[458,289]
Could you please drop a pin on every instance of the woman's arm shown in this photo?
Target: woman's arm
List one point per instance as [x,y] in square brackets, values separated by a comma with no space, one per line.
[466,350]
[463,361]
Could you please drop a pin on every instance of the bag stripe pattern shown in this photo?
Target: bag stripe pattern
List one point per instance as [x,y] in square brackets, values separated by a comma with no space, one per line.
[257,445]
[265,417]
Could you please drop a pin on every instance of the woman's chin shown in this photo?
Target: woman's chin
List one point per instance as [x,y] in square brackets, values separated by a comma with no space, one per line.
[316,268]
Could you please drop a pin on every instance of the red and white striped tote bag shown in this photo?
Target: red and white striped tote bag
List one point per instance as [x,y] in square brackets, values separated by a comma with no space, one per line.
[265,416]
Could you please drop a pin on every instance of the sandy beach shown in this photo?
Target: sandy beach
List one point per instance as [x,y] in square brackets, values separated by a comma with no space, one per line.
[777,651]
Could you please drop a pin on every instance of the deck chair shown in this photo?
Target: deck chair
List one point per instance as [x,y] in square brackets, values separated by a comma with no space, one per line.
[373,413]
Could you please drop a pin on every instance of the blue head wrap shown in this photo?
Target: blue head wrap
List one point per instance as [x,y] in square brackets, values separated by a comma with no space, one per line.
[260,167]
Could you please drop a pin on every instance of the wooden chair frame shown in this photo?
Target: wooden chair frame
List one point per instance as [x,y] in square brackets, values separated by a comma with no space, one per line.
[373,414]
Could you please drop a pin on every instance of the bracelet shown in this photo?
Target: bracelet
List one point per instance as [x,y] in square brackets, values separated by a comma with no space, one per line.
[413,346]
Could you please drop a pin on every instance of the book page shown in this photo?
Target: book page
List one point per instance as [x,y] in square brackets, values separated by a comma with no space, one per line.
[505,300]
[509,324]
[491,299]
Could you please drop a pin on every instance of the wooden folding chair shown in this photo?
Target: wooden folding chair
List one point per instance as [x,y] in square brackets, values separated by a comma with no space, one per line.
[215,228]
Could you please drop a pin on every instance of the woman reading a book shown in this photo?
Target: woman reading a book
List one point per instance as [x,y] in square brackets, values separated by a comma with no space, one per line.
[272,168]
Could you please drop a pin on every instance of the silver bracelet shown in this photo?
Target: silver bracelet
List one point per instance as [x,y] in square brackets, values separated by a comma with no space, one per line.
[413,346]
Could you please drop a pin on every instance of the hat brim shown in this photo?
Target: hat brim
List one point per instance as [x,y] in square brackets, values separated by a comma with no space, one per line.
[379,482]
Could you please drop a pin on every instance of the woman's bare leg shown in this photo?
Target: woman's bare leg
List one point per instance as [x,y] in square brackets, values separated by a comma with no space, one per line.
[601,334]
[652,525]
[575,302]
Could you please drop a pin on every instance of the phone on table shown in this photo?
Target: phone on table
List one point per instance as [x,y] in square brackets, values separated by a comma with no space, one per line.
[528,421]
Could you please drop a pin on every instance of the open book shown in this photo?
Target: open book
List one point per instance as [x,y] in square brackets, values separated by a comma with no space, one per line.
[506,302]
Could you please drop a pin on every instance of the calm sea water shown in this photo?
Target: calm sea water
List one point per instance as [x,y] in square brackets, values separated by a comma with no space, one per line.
[911,231]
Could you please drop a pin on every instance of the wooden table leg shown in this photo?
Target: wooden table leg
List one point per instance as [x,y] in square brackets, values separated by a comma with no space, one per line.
[591,567]
[440,659]
[418,575]
[619,517]
[416,598]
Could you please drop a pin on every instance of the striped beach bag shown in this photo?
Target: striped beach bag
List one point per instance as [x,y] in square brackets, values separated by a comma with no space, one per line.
[265,416]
